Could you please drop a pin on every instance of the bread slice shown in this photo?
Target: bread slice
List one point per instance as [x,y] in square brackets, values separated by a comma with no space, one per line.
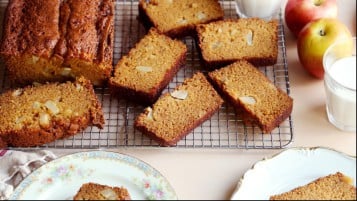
[226,41]
[331,187]
[36,115]
[141,75]
[95,191]
[253,94]
[178,18]
[177,113]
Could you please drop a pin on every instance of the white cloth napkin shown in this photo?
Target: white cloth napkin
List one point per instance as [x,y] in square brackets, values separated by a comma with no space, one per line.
[16,165]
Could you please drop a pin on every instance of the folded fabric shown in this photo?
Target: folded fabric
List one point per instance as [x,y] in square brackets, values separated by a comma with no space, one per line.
[16,165]
[2,152]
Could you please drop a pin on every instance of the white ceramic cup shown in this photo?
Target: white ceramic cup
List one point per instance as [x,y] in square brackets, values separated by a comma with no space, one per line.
[340,84]
[265,9]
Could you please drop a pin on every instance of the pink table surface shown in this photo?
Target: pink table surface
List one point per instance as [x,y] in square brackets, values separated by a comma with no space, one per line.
[214,173]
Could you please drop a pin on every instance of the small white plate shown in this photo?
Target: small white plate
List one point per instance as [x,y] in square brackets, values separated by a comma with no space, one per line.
[290,169]
[60,179]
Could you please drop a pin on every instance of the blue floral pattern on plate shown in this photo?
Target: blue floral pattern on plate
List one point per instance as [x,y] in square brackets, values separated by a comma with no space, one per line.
[60,179]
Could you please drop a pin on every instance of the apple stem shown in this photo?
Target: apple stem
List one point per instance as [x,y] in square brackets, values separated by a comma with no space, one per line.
[322,33]
[318,2]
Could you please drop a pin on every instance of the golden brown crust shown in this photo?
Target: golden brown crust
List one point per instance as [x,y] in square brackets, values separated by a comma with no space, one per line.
[58,40]
[22,124]
[31,27]
[226,41]
[85,24]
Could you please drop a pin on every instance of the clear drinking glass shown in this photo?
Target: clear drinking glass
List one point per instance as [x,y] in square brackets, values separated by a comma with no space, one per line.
[265,9]
[340,84]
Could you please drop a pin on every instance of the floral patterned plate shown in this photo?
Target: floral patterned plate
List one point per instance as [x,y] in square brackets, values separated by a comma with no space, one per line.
[60,179]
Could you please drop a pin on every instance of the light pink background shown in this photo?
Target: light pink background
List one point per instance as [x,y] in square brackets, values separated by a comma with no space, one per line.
[213,174]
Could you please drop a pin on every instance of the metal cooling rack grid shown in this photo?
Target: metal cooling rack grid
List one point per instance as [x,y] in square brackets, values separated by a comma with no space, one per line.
[224,130]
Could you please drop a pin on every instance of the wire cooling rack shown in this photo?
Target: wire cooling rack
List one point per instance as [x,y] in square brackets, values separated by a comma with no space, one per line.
[224,130]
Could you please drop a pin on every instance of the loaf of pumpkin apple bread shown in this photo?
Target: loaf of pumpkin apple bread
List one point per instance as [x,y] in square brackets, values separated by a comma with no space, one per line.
[58,40]
[36,115]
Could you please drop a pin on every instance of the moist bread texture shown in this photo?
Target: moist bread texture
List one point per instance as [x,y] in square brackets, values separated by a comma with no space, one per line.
[252,94]
[178,18]
[58,40]
[95,191]
[226,41]
[36,115]
[177,113]
[147,69]
[331,187]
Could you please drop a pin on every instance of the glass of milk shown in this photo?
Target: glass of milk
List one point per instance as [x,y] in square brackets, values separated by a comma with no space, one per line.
[265,9]
[340,84]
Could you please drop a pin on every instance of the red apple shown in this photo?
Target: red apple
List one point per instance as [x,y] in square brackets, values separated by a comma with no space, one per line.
[300,12]
[315,38]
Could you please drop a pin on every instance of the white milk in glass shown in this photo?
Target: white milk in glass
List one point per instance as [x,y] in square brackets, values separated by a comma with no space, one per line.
[340,83]
[265,9]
